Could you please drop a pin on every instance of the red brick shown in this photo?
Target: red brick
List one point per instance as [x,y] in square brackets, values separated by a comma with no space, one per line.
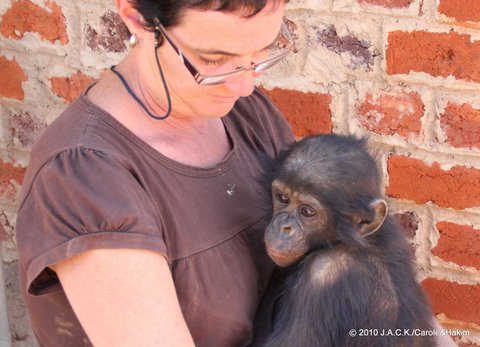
[8,175]
[12,78]
[436,54]
[69,88]
[6,228]
[408,221]
[412,179]
[465,344]
[49,24]
[9,172]
[387,3]
[456,301]
[459,244]
[112,36]
[308,113]
[460,10]
[390,114]
[461,124]
[26,128]
[360,50]
[8,191]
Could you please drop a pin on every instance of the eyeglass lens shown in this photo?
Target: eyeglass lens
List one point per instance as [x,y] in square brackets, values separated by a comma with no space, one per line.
[260,67]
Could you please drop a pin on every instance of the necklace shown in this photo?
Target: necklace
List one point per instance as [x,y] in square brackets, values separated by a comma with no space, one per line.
[164,82]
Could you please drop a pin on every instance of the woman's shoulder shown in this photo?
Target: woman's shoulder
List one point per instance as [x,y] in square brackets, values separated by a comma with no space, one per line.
[79,132]
[257,107]
[256,117]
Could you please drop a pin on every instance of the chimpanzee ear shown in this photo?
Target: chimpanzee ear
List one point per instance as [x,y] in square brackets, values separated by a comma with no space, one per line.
[379,213]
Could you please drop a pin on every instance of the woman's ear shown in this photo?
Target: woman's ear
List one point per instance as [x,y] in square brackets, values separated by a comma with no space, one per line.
[131,17]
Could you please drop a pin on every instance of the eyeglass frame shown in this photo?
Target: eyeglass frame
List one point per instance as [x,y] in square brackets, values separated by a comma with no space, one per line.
[220,78]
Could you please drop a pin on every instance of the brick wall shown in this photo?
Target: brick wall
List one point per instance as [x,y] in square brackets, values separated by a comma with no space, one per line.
[404,72]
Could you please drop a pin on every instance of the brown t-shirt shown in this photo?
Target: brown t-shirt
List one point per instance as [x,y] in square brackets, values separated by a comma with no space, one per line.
[92,183]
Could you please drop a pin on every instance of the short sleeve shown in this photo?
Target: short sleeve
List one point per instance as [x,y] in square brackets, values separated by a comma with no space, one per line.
[261,124]
[280,131]
[82,199]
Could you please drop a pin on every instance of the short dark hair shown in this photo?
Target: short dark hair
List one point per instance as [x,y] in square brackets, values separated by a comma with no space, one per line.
[169,11]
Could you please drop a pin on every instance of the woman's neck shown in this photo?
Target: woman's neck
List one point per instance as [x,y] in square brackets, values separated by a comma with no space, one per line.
[201,142]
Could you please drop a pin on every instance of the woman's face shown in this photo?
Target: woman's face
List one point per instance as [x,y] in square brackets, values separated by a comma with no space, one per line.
[214,42]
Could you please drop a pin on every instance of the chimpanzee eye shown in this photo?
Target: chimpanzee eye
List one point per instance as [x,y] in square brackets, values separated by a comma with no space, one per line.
[307,211]
[283,198]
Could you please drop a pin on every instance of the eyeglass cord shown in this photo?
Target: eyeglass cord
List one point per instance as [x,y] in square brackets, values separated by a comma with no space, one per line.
[136,98]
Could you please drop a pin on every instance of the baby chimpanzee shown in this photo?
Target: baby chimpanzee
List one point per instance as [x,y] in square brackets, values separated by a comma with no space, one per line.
[351,279]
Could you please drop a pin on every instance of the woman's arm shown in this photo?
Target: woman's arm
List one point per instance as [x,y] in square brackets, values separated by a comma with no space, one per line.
[124,297]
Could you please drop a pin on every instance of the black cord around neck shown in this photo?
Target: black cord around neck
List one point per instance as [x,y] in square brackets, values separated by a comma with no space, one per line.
[137,99]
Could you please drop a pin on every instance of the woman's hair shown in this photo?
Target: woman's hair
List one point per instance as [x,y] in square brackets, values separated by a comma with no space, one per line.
[169,11]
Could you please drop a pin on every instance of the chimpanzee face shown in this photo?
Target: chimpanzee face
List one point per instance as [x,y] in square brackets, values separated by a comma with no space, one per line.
[298,218]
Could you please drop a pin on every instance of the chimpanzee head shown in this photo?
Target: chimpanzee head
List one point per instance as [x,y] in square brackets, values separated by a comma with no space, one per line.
[326,190]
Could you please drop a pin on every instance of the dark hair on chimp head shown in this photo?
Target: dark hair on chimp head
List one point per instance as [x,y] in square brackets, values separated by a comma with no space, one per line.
[169,11]
[337,163]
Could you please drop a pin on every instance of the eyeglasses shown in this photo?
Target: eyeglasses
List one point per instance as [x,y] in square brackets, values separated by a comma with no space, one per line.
[282,46]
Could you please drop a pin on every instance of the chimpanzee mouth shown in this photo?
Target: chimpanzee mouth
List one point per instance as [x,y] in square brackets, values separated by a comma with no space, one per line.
[285,259]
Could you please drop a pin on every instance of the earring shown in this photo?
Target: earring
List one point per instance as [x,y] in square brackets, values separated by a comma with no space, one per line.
[133,40]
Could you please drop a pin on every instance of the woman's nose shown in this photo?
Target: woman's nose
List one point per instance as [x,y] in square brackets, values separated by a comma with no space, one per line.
[242,84]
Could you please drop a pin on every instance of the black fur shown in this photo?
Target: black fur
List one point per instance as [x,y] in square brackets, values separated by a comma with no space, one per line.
[366,284]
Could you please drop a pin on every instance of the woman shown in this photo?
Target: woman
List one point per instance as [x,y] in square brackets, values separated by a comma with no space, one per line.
[140,198]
